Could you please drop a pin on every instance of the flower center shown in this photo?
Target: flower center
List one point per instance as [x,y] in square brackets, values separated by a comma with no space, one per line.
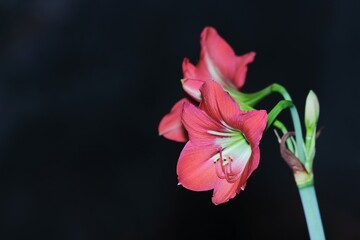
[223,166]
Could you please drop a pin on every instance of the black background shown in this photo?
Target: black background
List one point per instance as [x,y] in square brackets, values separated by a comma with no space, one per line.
[84,84]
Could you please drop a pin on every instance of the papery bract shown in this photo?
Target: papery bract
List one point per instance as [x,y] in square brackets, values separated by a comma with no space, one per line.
[217,62]
[223,147]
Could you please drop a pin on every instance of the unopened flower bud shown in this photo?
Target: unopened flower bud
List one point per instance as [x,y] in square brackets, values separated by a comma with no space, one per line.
[312,110]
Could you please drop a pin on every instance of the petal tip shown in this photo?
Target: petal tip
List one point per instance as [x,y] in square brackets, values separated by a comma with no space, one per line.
[251,56]
[209,29]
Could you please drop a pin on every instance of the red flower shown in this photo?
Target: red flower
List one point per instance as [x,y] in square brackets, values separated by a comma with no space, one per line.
[223,147]
[217,62]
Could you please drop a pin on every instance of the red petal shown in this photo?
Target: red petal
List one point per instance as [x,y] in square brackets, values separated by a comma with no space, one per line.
[218,103]
[189,70]
[171,126]
[252,124]
[254,161]
[224,191]
[241,69]
[198,123]
[194,77]
[192,87]
[222,63]
[199,72]
[195,171]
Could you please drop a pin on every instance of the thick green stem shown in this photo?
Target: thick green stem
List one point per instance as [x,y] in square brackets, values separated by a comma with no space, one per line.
[312,213]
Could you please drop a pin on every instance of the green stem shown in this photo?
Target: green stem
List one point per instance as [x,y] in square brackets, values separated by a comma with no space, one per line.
[279,107]
[296,121]
[312,213]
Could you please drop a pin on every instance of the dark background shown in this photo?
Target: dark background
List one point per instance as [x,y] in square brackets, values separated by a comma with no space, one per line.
[84,84]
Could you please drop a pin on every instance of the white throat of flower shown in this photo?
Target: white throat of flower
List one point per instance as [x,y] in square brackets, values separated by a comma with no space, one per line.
[233,154]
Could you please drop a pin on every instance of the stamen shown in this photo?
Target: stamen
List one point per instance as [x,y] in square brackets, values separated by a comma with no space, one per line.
[223,168]
[224,162]
[232,177]
[220,152]
[219,171]
[229,170]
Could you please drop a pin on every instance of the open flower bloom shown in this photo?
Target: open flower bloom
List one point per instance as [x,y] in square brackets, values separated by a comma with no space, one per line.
[223,147]
[217,62]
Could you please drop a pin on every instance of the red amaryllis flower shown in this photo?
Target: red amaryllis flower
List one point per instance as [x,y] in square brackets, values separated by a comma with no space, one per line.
[223,147]
[217,62]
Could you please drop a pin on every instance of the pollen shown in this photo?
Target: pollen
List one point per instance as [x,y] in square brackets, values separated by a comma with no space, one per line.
[224,159]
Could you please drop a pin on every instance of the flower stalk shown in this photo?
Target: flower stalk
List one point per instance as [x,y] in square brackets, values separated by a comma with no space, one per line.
[312,213]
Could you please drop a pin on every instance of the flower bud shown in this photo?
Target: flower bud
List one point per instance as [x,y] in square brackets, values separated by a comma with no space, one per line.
[312,110]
